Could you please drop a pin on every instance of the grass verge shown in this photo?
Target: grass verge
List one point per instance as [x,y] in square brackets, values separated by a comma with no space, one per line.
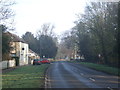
[99,67]
[25,77]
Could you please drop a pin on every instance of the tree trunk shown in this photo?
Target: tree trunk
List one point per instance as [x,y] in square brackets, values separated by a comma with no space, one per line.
[105,58]
[104,52]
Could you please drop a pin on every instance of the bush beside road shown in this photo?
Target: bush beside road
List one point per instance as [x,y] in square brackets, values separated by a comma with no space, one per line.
[25,77]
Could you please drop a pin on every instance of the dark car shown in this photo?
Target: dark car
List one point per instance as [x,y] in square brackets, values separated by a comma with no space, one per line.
[36,62]
[45,61]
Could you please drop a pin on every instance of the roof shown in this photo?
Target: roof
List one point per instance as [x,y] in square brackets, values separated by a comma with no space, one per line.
[15,38]
[32,52]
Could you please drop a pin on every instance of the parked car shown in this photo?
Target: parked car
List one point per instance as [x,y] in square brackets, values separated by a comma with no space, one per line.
[45,60]
[36,62]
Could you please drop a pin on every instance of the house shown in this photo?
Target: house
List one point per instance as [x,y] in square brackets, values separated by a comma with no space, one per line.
[32,55]
[19,49]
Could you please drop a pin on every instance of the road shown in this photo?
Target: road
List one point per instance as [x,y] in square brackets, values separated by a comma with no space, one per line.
[70,75]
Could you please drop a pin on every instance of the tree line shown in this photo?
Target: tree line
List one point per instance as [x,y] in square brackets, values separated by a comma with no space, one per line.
[44,43]
[97,33]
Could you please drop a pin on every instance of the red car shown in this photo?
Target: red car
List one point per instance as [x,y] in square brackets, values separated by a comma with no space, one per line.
[43,61]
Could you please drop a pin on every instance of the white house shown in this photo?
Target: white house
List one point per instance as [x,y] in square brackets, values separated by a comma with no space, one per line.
[19,50]
[22,53]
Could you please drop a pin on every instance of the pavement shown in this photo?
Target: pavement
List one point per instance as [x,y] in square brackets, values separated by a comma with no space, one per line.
[70,75]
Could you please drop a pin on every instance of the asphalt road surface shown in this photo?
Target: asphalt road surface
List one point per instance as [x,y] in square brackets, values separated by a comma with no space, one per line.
[70,75]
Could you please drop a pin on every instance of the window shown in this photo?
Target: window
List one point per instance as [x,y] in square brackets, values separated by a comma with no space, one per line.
[22,48]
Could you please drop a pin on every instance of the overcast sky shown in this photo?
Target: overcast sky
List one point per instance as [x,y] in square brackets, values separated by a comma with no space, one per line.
[31,14]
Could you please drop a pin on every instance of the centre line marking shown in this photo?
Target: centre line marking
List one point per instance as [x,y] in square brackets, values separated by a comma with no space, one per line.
[109,88]
[81,73]
[92,79]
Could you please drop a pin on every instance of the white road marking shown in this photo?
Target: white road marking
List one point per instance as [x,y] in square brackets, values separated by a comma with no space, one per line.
[45,78]
[109,88]
[81,74]
[49,84]
[92,79]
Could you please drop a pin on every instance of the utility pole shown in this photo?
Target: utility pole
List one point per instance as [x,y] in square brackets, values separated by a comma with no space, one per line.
[39,48]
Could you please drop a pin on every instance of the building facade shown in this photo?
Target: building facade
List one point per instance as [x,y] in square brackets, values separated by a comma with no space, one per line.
[19,50]
[31,56]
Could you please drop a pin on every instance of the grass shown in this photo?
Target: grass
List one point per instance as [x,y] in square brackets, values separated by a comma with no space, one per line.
[99,67]
[25,77]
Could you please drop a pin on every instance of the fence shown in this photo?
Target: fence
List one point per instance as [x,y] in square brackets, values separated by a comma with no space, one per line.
[7,64]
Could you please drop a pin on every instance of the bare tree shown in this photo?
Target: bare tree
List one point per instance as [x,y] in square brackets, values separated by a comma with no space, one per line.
[46,29]
[97,32]
[6,13]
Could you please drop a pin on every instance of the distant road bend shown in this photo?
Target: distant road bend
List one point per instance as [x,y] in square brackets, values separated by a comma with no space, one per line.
[70,75]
